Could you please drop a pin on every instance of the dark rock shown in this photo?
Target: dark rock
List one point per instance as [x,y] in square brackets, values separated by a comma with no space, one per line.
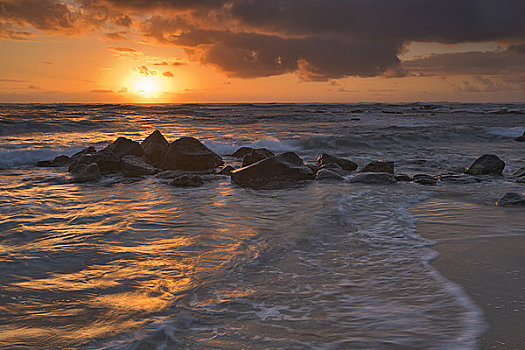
[326,174]
[45,164]
[458,178]
[155,147]
[107,161]
[520,138]
[273,172]
[403,177]
[122,147]
[86,173]
[374,178]
[520,172]
[355,119]
[345,164]
[255,156]
[226,170]
[331,166]
[424,179]
[487,164]
[511,199]
[188,153]
[187,181]
[379,167]
[134,166]
[241,152]
[89,150]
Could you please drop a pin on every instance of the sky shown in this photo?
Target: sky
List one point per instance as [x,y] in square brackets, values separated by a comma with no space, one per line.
[179,51]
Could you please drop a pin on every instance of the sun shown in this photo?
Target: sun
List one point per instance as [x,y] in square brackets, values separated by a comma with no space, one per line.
[146,85]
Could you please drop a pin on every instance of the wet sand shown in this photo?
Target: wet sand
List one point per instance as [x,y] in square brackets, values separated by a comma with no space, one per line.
[482,249]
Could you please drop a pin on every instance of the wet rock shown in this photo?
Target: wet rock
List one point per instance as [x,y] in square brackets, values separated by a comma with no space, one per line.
[241,152]
[274,172]
[89,150]
[226,170]
[188,153]
[187,181]
[327,174]
[134,166]
[458,178]
[123,147]
[487,164]
[374,178]
[107,161]
[424,179]
[403,177]
[379,167]
[57,162]
[86,173]
[511,199]
[255,156]
[520,138]
[345,164]
[155,147]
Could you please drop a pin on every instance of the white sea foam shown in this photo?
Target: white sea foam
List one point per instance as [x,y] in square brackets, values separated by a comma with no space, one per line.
[506,132]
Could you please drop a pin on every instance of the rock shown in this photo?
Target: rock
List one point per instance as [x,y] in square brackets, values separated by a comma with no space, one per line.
[379,167]
[57,162]
[89,150]
[255,156]
[86,173]
[458,178]
[187,181]
[403,177]
[374,178]
[520,138]
[155,147]
[226,170]
[424,179]
[511,199]
[273,172]
[345,164]
[134,166]
[326,174]
[188,153]
[241,152]
[487,164]
[520,172]
[107,161]
[122,147]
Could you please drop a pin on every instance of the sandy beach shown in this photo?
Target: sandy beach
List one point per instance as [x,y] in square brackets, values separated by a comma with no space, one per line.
[481,249]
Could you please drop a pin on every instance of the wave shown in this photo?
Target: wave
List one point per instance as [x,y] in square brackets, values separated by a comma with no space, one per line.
[14,158]
[506,132]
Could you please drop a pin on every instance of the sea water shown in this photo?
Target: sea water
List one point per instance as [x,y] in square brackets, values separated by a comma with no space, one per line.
[139,264]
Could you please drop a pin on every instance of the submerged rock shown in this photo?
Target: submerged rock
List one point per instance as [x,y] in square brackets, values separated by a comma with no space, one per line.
[345,164]
[188,153]
[226,170]
[327,174]
[134,166]
[57,162]
[520,138]
[520,172]
[187,181]
[154,147]
[511,199]
[374,178]
[123,146]
[424,179]
[403,178]
[379,167]
[86,173]
[487,164]
[458,178]
[273,172]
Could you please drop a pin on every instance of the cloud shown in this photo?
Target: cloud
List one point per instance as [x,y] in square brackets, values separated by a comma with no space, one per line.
[116,35]
[47,62]
[163,63]
[123,49]
[101,91]
[124,89]
[12,81]
[49,15]
[145,71]
[168,74]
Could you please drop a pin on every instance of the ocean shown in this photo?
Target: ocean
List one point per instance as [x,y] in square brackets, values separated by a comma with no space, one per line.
[127,263]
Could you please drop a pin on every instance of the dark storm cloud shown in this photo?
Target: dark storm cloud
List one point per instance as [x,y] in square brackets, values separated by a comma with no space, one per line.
[318,39]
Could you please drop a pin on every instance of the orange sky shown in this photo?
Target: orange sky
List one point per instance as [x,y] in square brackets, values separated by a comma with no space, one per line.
[68,56]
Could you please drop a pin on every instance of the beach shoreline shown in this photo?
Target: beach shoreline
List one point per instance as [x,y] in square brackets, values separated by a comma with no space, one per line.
[480,249]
